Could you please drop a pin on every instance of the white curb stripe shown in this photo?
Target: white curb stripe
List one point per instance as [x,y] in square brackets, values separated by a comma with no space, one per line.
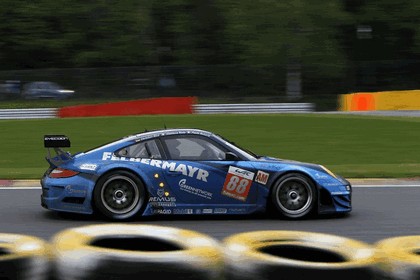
[20,188]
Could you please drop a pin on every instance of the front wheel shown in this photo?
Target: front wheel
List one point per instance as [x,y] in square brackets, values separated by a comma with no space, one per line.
[119,195]
[294,196]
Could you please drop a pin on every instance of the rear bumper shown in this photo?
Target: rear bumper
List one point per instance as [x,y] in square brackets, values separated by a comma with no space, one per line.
[67,195]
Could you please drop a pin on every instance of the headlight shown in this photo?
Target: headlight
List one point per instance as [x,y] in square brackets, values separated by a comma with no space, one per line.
[328,171]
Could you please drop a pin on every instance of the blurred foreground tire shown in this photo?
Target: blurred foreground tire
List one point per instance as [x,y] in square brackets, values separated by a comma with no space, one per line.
[402,255]
[133,251]
[23,257]
[263,255]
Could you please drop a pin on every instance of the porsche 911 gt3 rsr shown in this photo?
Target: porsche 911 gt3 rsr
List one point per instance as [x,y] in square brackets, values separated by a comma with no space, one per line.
[185,172]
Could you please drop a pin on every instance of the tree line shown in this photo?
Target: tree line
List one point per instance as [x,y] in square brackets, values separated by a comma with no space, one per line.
[44,33]
[326,36]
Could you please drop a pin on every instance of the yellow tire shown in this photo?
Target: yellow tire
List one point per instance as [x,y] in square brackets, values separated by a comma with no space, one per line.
[402,255]
[23,257]
[263,255]
[130,251]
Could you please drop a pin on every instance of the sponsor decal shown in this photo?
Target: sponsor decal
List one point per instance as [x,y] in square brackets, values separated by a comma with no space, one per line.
[183,211]
[331,184]
[207,211]
[321,176]
[220,211]
[339,193]
[88,166]
[55,138]
[237,210]
[185,169]
[164,201]
[241,172]
[160,192]
[237,183]
[192,190]
[262,177]
[162,211]
[69,189]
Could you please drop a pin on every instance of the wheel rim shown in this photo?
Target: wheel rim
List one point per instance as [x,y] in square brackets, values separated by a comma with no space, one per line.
[120,194]
[294,196]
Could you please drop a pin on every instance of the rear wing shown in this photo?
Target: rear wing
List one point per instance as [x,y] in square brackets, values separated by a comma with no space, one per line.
[56,143]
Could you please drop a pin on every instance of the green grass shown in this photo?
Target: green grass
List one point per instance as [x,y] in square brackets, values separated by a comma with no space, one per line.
[349,145]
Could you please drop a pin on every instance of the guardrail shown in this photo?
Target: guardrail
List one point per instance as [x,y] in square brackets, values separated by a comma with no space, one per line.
[35,113]
[254,108]
[244,108]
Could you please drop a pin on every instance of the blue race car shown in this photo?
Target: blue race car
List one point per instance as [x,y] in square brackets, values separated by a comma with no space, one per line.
[185,172]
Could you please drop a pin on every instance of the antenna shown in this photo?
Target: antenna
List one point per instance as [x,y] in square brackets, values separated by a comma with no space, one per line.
[164,125]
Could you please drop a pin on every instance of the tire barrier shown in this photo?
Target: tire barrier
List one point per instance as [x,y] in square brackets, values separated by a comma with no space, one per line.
[129,251]
[23,257]
[263,255]
[402,256]
[133,251]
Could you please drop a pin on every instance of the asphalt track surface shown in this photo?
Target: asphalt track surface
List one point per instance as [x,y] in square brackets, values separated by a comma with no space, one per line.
[381,209]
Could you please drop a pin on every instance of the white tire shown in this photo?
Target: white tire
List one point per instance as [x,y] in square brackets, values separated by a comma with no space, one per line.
[130,251]
[402,255]
[23,257]
[263,255]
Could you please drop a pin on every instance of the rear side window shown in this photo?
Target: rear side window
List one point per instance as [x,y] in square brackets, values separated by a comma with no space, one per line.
[145,149]
[193,148]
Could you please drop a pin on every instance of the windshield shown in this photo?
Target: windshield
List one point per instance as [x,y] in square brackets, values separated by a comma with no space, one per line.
[245,152]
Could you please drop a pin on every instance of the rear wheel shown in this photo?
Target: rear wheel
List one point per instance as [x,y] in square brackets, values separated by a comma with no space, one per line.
[119,195]
[294,196]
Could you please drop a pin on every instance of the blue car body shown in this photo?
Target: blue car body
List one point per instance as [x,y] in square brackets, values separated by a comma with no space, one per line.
[120,182]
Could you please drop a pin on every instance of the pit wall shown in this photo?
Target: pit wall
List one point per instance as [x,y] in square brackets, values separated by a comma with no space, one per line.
[383,100]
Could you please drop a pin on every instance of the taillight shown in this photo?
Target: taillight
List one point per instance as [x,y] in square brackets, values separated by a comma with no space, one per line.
[62,173]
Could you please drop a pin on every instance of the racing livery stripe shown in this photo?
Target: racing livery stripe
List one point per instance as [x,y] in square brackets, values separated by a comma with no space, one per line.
[185,169]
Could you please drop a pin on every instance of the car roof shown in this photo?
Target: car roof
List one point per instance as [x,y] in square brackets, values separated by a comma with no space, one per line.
[170,131]
[155,133]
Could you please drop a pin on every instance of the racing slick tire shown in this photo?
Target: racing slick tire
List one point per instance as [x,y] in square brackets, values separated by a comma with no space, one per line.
[119,195]
[294,196]
[23,257]
[128,251]
[402,256]
[266,255]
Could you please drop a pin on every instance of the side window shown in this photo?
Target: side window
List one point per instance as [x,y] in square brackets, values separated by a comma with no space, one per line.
[145,149]
[193,148]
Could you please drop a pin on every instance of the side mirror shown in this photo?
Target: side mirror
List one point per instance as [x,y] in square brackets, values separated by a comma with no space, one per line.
[231,156]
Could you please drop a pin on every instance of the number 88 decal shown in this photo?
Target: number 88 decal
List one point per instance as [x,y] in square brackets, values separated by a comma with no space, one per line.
[233,184]
[237,183]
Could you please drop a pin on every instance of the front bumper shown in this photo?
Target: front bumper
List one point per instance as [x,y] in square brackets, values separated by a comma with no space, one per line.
[337,199]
